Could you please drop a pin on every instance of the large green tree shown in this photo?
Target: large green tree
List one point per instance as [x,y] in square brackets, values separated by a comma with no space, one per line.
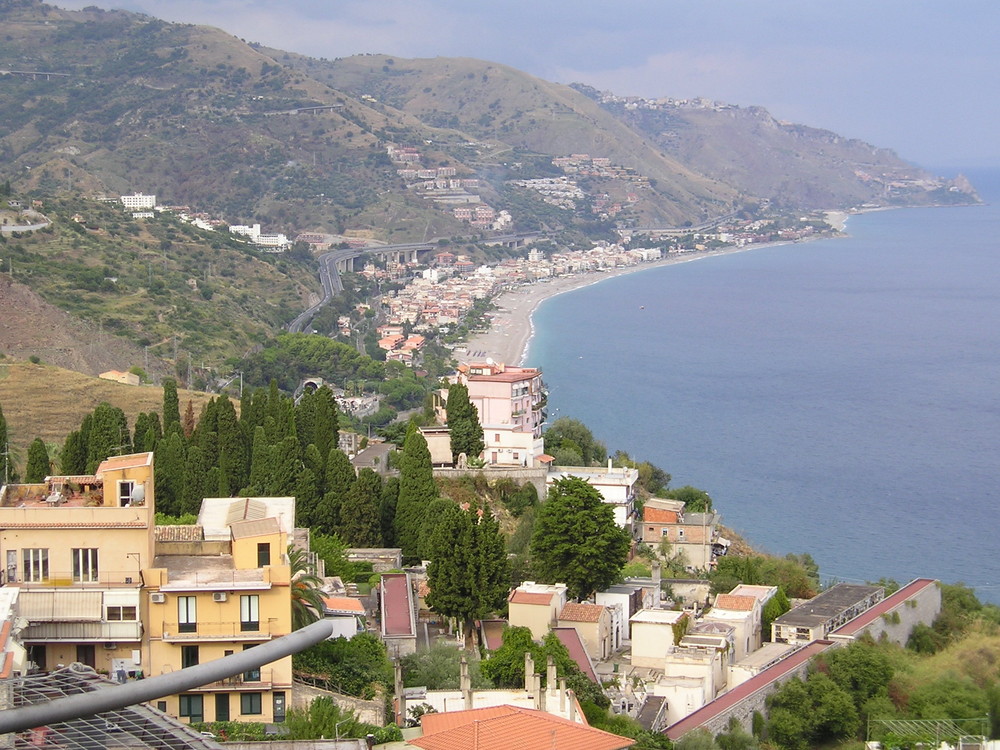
[463,423]
[416,490]
[360,520]
[109,435]
[573,444]
[468,575]
[171,406]
[576,540]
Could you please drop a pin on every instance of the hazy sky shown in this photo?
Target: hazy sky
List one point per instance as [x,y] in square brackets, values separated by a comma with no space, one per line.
[919,76]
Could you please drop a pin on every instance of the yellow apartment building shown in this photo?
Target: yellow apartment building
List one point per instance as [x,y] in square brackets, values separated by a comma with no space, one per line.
[75,546]
[216,588]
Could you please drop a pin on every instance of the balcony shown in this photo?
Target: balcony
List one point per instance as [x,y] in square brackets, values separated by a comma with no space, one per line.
[220,631]
[64,579]
[254,680]
[84,632]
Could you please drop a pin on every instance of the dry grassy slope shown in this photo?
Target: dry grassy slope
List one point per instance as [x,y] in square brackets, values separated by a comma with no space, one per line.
[29,326]
[499,103]
[49,402]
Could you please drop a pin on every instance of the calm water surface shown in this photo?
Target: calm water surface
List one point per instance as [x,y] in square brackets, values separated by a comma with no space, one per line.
[838,397]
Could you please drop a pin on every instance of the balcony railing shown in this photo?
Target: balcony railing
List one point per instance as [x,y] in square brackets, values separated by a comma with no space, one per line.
[107,632]
[61,578]
[211,630]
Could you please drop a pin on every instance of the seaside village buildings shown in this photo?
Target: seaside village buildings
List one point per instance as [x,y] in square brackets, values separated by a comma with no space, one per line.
[92,579]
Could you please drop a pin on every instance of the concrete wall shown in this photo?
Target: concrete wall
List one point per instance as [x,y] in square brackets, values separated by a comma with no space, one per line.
[369,712]
[519,475]
[897,624]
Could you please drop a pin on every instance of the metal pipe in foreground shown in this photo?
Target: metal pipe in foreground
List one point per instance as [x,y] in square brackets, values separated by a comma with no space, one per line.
[119,696]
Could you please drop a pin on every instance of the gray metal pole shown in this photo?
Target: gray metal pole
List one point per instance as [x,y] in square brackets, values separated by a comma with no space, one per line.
[119,696]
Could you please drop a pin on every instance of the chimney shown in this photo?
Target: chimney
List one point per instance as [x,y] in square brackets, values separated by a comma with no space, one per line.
[400,698]
[656,584]
[465,683]
[529,671]
[562,696]
[571,697]
[551,679]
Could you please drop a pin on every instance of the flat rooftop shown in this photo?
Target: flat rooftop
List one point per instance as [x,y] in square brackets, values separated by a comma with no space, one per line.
[827,605]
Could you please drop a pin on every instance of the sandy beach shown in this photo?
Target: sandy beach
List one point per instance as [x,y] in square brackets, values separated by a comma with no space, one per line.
[512,328]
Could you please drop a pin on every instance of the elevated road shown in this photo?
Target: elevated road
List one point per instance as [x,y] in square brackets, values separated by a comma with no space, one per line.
[330,263]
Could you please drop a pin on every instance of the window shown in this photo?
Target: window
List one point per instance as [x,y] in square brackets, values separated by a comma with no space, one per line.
[36,565]
[187,614]
[664,532]
[251,675]
[250,703]
[85,565]
[192,707]
[189,656]
[249,612]
[125,488]
[263,554]
[680,533]
[121,614]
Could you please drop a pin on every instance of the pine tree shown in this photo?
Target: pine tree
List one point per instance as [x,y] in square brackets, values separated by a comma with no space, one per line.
[469,574]
[576,539]
[171,406]
[38,463]
[463,423]
[416,490]
[360,521]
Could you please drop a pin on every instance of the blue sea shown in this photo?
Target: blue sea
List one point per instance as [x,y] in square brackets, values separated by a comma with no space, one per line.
[838,397]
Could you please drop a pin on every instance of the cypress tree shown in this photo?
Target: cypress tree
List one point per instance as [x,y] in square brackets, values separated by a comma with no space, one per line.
[38,462]
[340,477]
[360,521]
[188,424]
[285,468]
[195,480]
[233,453]
[171,406]
[469,573]
[109,435]
[6,470]
[139,431]
[73,459]
[260,464]
[169,459]
[463,423]
[390,495]
[313,460]
[416,490]
[306,498]
[326,428]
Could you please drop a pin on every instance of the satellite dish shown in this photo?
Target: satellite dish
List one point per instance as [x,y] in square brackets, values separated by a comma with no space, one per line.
[138,495]
[489,360]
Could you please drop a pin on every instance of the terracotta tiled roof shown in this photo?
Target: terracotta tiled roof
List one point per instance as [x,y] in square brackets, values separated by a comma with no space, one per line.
[343,604]
[508,727]
[529,597]
[570,638]
[581,612]
[77,525]
[735,602]
[657,515]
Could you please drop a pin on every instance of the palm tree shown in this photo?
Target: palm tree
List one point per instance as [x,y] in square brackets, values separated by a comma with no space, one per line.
[307,599]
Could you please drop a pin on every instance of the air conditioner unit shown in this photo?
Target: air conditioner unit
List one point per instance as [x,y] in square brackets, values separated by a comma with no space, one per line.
[128,579]
[220,596]
[110,646]
[157,598]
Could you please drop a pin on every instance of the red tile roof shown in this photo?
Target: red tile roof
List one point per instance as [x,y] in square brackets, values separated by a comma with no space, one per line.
[125,462]
[518,596]
[570,638]
[396,604]
[343,604]
[509,727]
[581,612]
[735,602]
[658,515]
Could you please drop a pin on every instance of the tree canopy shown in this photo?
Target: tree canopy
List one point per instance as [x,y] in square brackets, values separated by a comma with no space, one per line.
[576,540]
[463,423]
